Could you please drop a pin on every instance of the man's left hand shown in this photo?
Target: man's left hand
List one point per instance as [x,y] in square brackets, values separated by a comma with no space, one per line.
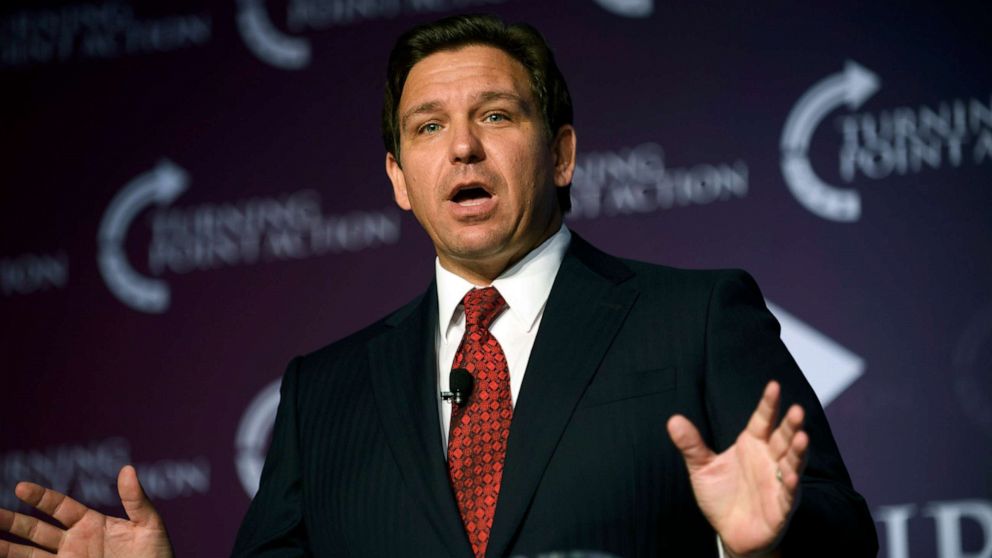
[749,491]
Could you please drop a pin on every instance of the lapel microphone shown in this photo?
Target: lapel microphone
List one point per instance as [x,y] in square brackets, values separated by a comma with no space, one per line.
[460,381]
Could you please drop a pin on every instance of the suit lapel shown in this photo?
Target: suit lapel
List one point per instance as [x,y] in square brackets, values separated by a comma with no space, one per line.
[402,362]
[585,310]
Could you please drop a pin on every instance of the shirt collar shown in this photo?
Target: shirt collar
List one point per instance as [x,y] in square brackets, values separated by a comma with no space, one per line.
[525,286]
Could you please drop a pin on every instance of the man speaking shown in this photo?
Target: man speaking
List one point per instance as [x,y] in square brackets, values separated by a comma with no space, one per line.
[600,405]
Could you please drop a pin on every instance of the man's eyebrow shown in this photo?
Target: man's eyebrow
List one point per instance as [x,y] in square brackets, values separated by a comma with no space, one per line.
[429,106]
[506,96]
[485,96]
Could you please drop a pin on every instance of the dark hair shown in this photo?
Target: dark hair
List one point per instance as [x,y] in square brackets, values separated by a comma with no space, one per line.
[521,41]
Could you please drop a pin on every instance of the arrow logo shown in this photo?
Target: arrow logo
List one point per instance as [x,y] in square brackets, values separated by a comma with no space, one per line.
[252,439]
[628,8]
[852,88]
[161,186]
[829,367]
[266,41]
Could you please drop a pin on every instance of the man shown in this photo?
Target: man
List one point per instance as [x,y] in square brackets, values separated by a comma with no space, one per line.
[578,361]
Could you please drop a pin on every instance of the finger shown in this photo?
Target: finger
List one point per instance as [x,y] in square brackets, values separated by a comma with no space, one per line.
[798,451]
[686,437]
[790,478]
[764,415]
[31,529]
[136,504]
[793,462]
[63,508]
[781,439]
[13,550]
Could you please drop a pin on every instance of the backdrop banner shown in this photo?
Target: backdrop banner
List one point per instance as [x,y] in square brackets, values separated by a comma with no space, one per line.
[193,193]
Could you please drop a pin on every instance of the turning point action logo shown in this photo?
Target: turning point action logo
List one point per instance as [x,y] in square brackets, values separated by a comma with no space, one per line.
[851,87]
[252,439]
[289,51]
[288,226]
[896,141]
[628,8]
[160,186]
[266,41]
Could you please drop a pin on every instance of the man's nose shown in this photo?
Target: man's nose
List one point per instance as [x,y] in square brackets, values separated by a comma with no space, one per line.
[466,145]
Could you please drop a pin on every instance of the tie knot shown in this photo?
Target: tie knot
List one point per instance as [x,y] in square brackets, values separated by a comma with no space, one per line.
[482,306]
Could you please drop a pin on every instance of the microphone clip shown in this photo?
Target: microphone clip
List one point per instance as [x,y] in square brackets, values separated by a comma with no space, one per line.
[456,397]
[461,383]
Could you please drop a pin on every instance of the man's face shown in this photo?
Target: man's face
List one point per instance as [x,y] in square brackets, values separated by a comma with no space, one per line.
[478,170]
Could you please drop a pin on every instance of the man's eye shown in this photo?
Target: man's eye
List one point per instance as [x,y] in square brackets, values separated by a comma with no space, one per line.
[495,117]
[429,128]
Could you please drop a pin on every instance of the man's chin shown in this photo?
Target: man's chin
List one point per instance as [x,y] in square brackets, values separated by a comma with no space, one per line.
[478,253]
[477,243]
[486,248]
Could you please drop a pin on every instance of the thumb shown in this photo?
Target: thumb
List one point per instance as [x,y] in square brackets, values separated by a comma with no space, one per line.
[686,437]
[138,507]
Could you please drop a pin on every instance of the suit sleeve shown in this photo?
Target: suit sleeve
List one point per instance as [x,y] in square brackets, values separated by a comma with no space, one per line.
[273,526]
[744,352]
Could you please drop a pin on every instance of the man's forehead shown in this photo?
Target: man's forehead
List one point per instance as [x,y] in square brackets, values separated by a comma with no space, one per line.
[479,72]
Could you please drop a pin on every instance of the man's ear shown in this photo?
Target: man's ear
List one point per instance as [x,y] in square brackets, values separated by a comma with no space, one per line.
[563,151]
[395,174]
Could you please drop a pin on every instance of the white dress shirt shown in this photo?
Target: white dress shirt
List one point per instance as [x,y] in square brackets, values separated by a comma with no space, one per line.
[525,288]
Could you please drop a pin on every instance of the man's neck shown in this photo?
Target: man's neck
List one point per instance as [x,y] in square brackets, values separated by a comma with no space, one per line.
[482,273]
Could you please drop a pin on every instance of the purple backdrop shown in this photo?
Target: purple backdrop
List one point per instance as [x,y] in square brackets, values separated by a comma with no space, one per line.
[193,194]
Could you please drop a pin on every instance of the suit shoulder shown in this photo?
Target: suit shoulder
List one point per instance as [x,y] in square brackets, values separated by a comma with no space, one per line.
[648,277]
[688,282]
[353,345]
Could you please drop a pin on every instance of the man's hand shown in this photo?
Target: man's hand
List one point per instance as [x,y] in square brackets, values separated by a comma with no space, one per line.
[87,533]
[749,491]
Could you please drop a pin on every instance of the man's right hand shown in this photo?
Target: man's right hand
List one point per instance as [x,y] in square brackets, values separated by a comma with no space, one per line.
[87,533]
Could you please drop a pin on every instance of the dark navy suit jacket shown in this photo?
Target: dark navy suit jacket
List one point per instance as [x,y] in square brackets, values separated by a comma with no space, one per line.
[357,468]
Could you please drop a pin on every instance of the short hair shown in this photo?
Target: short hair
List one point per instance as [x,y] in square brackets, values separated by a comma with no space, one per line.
[519,40]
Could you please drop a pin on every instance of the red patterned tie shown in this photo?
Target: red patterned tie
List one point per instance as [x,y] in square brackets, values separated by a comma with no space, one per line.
[479,429]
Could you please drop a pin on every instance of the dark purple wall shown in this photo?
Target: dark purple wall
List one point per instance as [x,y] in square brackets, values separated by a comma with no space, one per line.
[190,195]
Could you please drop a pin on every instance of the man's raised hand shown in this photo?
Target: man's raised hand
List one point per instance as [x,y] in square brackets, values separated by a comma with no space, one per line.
[86,532]
[748,492]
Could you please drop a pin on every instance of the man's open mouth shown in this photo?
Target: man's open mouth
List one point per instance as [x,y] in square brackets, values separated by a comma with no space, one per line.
[471,195]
